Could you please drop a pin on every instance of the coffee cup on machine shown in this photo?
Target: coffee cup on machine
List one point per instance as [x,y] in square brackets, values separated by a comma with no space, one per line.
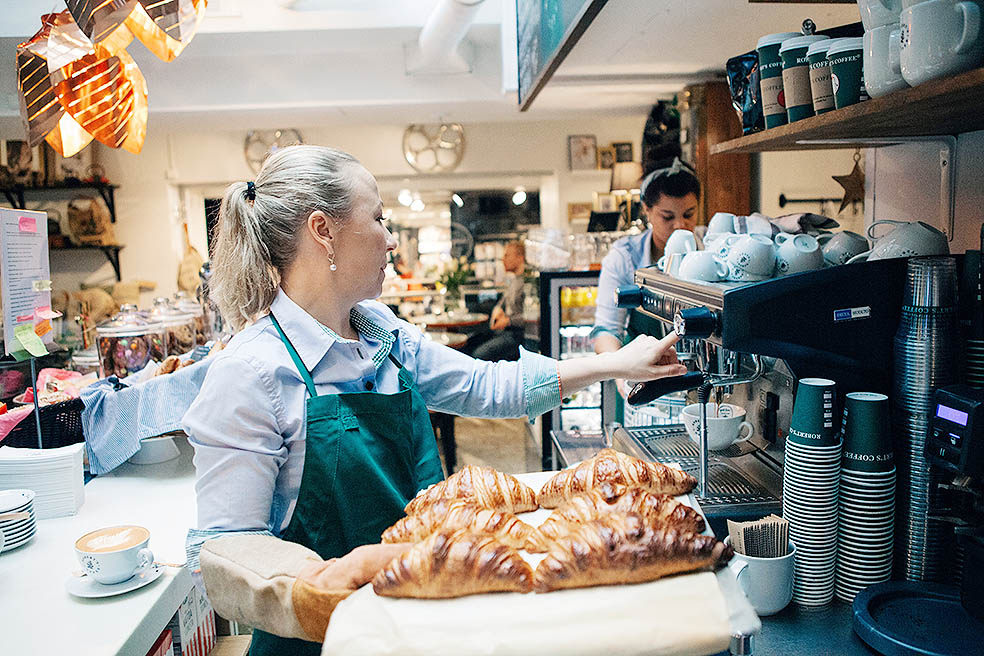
[670,263]
[726,425]
[907,240]
[114,554]
[749,257]
[797,253]
[702,265]
[680,241]
[839,247]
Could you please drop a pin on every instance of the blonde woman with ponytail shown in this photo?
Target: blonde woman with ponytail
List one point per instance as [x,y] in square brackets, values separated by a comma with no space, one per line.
[311,430]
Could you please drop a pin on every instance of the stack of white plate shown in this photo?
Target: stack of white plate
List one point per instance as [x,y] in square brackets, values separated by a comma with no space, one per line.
[811,477]
[17,532]
[866,530]
[55,475]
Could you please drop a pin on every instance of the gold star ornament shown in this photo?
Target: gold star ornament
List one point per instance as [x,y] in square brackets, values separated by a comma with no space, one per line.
[853,184]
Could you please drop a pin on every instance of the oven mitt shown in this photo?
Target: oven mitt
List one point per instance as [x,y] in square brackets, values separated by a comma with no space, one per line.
[253,579]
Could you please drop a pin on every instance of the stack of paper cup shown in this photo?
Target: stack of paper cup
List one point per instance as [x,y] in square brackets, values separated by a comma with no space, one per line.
[811,478]
[867,495]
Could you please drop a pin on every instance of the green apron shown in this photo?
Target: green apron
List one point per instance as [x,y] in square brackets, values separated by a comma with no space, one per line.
[366,455]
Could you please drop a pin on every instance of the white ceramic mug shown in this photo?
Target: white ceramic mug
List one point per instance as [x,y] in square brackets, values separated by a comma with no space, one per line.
[702,265]
[680,241]
[724,427]
[750,258]
[839,247]
[767,582]
[876,13]
[720,223]
[797,253]
[882,66]
[907,240]
[939,38]
[114,554]
[670,264]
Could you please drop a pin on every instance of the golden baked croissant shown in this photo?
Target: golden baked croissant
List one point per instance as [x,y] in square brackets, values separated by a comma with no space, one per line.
[454,564]
[619,549]
[455,514]
[483,485]
[655,509]
[614,467]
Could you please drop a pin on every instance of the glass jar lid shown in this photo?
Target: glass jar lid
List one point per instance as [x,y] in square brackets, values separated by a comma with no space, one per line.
[128,321]
[184,302]
[164,312]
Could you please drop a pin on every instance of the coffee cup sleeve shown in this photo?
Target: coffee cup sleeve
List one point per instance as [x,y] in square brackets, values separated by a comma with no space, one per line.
[253,579]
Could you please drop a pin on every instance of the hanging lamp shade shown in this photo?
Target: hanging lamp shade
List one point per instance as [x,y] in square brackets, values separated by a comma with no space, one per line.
[100,20]
[166,27]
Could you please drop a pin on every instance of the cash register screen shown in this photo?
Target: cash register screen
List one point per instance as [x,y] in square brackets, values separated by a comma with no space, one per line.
[951,414]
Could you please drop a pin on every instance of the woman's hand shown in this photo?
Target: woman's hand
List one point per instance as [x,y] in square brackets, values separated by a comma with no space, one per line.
[353,570]
[647,358]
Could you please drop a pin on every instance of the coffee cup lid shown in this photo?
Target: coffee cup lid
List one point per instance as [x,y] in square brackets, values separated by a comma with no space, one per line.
[845,44]
[800,41]
[818,47]
[773,39]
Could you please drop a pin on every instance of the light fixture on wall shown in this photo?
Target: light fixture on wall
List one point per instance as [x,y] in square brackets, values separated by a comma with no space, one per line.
[519,196]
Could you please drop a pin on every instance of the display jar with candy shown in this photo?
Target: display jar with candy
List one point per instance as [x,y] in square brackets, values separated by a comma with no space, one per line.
[188,305]
[179,327]
[128,342]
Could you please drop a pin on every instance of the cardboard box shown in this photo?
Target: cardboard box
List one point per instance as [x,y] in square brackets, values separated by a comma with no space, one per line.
[163,646]
[184,624]
[205,631]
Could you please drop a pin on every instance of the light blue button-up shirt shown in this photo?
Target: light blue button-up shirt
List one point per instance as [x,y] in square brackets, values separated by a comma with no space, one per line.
[617,269]
[248,422]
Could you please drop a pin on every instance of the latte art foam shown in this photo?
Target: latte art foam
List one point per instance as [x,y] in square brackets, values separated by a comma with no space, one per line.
[116,538]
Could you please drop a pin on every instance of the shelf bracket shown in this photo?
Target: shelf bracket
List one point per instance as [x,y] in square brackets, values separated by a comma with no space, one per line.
[109,198]
[948,153]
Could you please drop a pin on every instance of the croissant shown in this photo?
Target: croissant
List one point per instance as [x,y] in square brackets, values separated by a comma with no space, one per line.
[483,485]
[621,549]
[454,564]
[614,467]
[455,514]
[655,509]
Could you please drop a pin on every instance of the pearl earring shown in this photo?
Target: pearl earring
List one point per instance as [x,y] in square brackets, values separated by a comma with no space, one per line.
[331,263]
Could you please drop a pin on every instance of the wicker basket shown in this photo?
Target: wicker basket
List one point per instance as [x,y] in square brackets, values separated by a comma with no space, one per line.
[61,425]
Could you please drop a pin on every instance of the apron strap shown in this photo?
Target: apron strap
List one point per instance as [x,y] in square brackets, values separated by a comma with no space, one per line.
[406,380]
[301,369]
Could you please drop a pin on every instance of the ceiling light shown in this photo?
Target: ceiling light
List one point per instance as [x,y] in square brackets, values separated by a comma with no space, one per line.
[457,200]
[405,197]
[417,205]
[519,197]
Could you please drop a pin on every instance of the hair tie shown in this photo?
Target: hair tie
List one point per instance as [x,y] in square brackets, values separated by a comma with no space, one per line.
[250,191]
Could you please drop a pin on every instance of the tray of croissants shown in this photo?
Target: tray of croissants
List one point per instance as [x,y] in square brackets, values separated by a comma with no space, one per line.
[610,541]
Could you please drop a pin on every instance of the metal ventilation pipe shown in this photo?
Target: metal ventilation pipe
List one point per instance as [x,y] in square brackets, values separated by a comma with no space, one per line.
[444,30]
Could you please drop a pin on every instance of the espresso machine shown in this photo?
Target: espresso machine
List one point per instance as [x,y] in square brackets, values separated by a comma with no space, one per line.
[748,344]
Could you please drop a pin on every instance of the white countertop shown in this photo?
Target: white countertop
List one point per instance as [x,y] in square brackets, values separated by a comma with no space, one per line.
[40,617]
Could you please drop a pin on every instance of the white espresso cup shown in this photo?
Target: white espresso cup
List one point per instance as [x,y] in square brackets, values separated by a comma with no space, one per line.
[114,554]
[797,253]
[725,427]
[880,58]
[750,258]
[722,223]
[670,263]
[702,265]
[839,247]
[680,241]
[767,582]
[939,38]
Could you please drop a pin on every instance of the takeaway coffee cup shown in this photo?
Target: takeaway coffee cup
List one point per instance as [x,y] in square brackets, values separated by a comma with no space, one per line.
[750,258]
[702,265]
[882,66]
[938,38]
[797,253]
[114,554]
[820,89]
[867,433]
[813,421]
[847,71]
[725,425]
[770,75]
[767,582]
[796,75]
[877,13]
[839,247]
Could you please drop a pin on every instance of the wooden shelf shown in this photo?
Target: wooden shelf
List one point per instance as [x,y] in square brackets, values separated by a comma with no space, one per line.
[112,254]
[16,195]
[946,106]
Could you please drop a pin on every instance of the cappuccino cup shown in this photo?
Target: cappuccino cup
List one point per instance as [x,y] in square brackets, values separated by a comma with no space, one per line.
[767,582]
[750,257]
[702,265]
[839,247]
[797,253]
[680,241]
[114,554]
[725,426]
[939,38]
[880,60]
[720,223]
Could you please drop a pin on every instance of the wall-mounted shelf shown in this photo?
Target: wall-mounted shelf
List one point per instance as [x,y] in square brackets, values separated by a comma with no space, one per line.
[17,195]
[112,254]
[946,106]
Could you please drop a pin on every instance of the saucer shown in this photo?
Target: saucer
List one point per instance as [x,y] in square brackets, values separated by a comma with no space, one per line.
[88,588]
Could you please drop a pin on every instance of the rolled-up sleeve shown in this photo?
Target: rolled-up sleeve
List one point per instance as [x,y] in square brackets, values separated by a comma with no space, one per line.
[239,447]
[616,270]
[453,382]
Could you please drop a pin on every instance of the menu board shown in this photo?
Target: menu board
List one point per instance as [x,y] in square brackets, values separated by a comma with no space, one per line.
[546,30]
[26,283]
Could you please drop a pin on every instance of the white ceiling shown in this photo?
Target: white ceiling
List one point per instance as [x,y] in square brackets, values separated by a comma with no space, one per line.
[258,64]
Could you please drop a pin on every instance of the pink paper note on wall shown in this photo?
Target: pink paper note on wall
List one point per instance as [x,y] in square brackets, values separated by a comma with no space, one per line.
[27,224]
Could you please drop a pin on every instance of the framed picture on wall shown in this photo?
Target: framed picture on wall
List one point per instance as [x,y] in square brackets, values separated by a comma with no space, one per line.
[623,151]
[606,157]
[579,211]
[582,152]
[605,202]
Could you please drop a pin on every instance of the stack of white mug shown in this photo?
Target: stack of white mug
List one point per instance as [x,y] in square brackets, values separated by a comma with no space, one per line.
[908,42]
